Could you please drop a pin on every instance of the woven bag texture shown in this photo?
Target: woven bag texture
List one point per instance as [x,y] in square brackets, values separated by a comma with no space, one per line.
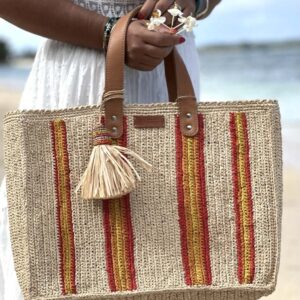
[204,224]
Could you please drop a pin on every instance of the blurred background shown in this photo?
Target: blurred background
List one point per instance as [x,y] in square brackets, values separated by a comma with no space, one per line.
[248,50]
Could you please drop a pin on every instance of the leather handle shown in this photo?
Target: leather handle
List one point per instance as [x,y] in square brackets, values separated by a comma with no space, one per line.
[178,80]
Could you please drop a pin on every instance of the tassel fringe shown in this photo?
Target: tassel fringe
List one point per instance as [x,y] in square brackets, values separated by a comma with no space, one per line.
[109,173]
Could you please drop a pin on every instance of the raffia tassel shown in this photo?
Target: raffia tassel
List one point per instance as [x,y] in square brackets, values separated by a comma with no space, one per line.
[109,173]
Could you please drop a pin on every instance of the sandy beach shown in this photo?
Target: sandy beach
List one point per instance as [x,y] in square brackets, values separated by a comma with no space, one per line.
[289,275]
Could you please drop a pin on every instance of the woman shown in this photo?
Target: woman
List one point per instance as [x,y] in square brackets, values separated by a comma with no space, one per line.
[69,66]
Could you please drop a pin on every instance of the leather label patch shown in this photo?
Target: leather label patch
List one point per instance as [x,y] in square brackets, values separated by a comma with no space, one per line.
[149,121]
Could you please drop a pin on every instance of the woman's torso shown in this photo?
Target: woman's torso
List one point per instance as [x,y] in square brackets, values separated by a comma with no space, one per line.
[112,8]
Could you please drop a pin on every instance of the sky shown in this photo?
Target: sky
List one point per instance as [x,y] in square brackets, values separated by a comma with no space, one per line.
[232,21]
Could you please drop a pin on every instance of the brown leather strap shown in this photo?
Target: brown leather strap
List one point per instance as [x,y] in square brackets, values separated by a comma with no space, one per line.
[116,55]
[177,76]
[179,84]
[170,78]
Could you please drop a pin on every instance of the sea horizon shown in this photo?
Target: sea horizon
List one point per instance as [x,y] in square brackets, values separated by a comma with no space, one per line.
[240,71]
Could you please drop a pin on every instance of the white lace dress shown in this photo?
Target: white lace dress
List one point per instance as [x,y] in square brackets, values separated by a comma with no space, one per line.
[64,75]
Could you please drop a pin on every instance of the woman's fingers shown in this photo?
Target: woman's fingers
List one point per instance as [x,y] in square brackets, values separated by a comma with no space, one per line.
[161,39]
[168,18]
[189,11]
[146,49]
[163,5]
[147,9]
[157,52]
[151,5]
[188,7]
[144,62]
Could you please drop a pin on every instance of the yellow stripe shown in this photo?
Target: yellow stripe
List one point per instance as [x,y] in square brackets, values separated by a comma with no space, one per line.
[198,197]
[241,215]
[244,198]
[119,230]
[188,213]
[122,277]
[194,212]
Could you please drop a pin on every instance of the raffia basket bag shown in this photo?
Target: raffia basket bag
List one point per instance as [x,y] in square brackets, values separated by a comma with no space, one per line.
[203,222]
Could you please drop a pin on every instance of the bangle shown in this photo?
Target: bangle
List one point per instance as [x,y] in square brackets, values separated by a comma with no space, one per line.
[202,7]
[107,30]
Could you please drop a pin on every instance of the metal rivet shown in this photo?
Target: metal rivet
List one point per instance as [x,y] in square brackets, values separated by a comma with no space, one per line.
[189,127]
[114,128]
[114,118]
[188,115]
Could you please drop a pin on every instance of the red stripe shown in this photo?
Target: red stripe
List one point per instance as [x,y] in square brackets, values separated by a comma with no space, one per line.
[127,222]
[129,243]
[202,200]
[249,192]
[57,191]
[108,247]
[181,208]
[70,221]
[129,238]
[123,139]
[66,170]
[129,247]
[236,195]
[202,203]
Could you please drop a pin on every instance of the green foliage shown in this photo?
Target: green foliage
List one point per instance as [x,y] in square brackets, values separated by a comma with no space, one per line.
[4,51]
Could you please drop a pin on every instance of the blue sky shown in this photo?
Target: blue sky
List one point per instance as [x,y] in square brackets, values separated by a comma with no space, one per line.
[233,21]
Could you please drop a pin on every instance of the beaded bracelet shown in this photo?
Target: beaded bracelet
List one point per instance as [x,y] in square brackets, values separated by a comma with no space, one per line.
[107,30]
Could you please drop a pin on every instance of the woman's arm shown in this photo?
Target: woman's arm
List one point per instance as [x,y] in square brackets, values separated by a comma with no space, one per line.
[56,19]
[67,22]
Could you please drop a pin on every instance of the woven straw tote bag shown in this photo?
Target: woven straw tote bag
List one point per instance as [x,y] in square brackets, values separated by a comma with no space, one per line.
[204,223]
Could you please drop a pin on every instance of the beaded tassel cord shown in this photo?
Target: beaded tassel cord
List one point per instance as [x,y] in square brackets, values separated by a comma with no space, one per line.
[109,173]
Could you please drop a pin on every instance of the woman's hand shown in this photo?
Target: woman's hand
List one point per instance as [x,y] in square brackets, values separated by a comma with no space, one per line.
[146,49]
[188,7]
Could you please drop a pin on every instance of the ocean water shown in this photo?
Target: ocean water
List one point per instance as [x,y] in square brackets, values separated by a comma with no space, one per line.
[231,74]
[254,73]
[13,77]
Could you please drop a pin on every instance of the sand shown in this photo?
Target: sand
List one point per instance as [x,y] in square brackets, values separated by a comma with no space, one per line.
[289,273]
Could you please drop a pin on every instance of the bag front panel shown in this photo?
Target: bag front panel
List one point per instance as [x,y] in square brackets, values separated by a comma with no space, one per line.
[15,172]
[44,161]
[266,202]
[154,208]
[200,220]
[90,272]
[220,198]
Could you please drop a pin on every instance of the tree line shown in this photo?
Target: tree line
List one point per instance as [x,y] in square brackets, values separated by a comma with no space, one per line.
[4,52]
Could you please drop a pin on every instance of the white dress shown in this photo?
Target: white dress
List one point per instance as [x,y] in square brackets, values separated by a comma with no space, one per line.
[63,76]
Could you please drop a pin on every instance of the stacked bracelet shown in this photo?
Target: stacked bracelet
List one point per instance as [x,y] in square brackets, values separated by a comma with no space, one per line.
[202,7]
[107,30]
